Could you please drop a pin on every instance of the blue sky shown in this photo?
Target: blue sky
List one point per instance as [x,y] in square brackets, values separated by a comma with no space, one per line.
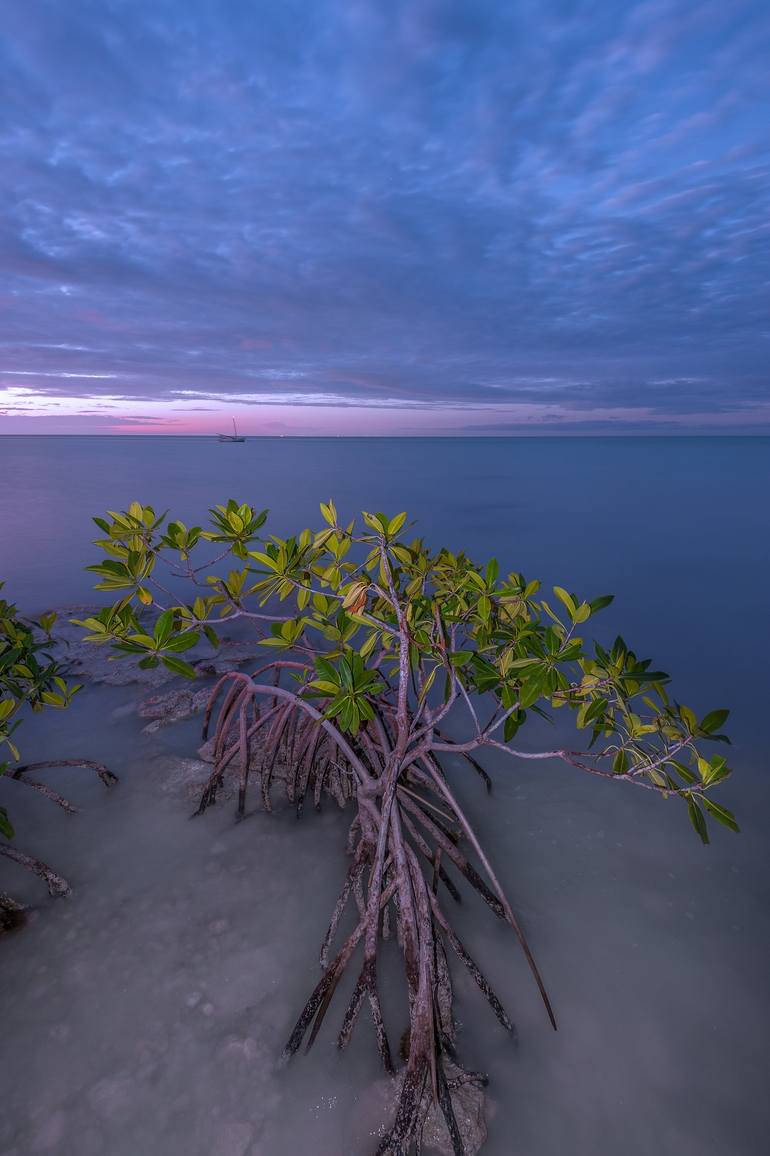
[410,217]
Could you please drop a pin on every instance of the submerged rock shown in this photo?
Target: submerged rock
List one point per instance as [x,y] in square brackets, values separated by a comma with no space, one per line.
[233,1138]
[173,706]
[113,1096]
[91,662]
[186,778]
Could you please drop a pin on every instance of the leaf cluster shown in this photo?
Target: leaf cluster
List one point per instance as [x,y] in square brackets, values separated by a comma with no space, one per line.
[363,601]
[30,678]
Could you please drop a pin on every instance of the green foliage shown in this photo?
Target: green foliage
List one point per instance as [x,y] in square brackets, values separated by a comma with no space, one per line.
[350,687]
[29,678]
[366,606]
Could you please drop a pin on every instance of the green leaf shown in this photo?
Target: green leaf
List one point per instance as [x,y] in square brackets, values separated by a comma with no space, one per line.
[476,580]
[721,814]
[714,720]
[182,642]
[647,676]
[428,684]
[266,560]
[567,599]
[329,512]
[717,770]
[531,691]
[697,819]
[512,724]
[52,699]
[163,627]
[324,686]
[303,597]
[345,674]
[212,636]
[6,827]
[368,645]
[684,772]
[460,657]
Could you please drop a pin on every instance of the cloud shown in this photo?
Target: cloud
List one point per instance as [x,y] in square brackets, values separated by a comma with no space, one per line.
[53,373]
[416,205]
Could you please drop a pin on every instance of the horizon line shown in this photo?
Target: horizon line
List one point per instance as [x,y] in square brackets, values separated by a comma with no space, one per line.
[464,436]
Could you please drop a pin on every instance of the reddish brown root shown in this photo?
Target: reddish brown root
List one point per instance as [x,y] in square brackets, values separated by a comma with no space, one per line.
[107,776]
[53,796]
[57,884]
[407,830]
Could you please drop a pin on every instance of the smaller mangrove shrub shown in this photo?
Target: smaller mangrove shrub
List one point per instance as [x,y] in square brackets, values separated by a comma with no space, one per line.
[381,659]
[31,679]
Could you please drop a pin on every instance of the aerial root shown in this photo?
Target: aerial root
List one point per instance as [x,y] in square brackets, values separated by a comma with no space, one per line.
[468,759]
[57,885]
[53,796]
[406,838]
[351,1013]
[107,776]
[354,871]
[473,969]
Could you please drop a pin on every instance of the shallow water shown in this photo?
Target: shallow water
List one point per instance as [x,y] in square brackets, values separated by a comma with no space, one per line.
[146,1013]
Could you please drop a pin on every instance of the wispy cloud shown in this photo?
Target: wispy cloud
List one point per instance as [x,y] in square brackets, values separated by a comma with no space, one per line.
[52,373]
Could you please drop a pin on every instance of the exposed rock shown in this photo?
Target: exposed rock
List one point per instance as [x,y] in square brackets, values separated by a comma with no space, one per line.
[468,1104]
[468,1101]
[206,752]
[125,711]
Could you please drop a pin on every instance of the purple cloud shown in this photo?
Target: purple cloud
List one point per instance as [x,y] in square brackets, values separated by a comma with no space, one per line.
[457,206]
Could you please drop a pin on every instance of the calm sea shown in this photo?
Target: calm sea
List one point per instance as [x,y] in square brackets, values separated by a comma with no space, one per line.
[656,949]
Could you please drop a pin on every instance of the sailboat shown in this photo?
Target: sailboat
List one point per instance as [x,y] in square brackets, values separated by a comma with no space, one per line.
[233,437]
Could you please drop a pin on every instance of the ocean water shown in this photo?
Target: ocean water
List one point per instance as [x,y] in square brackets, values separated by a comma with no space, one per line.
[146,1013]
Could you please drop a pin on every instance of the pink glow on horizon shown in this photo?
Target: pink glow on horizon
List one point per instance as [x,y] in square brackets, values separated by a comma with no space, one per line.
[25,408]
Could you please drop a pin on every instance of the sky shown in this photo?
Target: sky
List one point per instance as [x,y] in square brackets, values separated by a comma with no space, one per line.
[398,217]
